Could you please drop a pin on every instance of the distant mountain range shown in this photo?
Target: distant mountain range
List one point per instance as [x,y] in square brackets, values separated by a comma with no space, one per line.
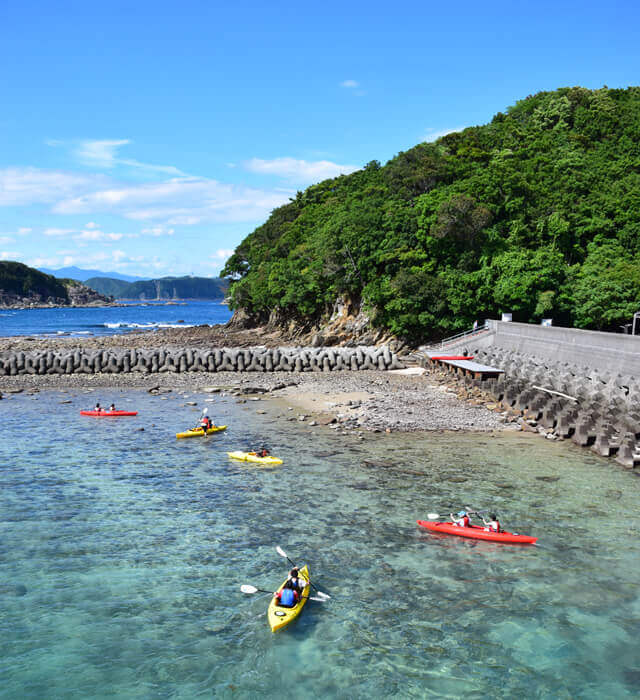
[163,288]
[77,273]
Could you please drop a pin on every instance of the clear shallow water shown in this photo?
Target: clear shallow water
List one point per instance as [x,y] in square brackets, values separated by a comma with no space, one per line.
[123,552]
[111,320]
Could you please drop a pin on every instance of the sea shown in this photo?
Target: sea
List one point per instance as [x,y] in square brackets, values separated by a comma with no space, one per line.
[111,320]
[123,551]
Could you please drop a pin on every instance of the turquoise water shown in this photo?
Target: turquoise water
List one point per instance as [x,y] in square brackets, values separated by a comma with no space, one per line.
[123,552]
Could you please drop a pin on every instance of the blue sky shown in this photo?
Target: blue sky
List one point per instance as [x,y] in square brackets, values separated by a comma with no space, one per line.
[151,137]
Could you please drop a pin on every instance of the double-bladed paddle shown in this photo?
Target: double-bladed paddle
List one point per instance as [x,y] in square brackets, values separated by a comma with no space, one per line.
[247,588]
[436,516]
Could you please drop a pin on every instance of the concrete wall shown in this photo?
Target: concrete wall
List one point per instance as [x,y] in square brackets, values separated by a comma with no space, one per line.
[610,352]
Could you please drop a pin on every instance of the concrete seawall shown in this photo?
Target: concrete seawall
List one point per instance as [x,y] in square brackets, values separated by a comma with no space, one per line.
[564,382]
[594,408]
[606,352]
[258,359]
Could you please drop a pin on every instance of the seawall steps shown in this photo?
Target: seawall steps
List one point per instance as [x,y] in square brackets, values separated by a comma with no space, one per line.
[116,361]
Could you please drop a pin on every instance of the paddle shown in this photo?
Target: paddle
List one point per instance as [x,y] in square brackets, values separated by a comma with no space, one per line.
[282,553]
[435,516]
[246,588]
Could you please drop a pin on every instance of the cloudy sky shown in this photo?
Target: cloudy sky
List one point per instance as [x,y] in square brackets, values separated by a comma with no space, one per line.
[150,138]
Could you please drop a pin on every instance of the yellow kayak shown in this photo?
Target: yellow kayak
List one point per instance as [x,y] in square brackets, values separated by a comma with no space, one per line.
[279,616]
[200,432]
[250,457]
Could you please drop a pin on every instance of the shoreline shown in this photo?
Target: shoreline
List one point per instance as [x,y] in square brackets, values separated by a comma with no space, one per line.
[349,401]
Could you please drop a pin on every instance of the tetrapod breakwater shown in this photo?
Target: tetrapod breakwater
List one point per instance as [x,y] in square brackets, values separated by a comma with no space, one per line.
[173,360]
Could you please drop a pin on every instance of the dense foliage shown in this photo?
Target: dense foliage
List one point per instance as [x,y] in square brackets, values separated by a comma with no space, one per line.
[162,288]
[23,281]
[536,213]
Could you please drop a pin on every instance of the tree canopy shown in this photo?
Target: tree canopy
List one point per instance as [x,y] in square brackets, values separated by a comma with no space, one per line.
[536,213]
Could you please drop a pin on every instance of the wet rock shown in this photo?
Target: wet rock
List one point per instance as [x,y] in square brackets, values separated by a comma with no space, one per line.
[547,478]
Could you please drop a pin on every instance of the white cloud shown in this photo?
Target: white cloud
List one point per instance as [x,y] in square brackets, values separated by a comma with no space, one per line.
[434,135]
[94,235]
[354,86]
[104,154]
[100,153]
[24,186]
[221,254]
[180,201]
[6,239]
[10,255]
[158,231]
[58,232]
[300,171]
[91,224]
[87,234]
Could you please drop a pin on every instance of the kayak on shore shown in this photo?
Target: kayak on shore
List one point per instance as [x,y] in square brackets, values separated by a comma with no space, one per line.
[477,532]
[253,458]
[108,414]
[280,616]
[199,432]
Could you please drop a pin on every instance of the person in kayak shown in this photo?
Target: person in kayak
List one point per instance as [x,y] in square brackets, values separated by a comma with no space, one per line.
[112,407]
[205,424]
[492,525]
[262,452]
[98,407]
[295,580]
[288,596]
[462,520]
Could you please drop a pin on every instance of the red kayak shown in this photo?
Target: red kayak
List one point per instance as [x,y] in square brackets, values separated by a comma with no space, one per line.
[476,532]
[108,414]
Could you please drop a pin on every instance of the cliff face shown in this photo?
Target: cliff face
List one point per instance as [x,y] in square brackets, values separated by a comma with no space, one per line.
[25,287]
[347,324]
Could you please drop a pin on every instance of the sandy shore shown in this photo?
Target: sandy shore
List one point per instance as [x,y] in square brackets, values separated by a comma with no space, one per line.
[350,401]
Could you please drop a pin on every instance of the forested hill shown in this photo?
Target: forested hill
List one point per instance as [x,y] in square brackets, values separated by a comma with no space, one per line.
[24,286]
[537,213]
[162,288]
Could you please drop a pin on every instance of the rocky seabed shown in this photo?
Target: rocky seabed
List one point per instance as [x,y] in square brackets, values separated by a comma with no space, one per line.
[599,410]
[117,361]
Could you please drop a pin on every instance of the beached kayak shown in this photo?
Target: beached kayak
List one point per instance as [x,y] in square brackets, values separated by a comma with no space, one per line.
[280,616]
[250,457]
[477,532]
[200,432]
[108,414]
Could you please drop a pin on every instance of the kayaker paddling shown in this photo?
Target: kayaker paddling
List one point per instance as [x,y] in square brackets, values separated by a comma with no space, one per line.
[262,452]
[493,524]
[289,595]
[295,580]
[462,520]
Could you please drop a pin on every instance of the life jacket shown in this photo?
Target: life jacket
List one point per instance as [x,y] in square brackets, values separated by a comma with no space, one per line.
[463,521]
[494,526]
[287,597]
